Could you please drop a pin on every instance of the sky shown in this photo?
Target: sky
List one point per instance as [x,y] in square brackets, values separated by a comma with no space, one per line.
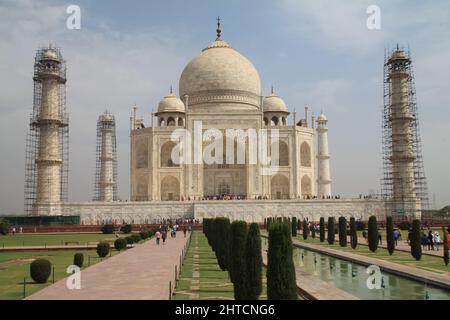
[314,52]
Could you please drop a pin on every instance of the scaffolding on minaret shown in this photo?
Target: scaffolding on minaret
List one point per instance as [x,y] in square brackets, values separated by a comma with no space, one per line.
[36,122]
[403,184]
[106,159]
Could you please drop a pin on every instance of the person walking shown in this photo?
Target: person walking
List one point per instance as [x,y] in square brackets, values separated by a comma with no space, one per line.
[184,231]
[158,237]
[424,241]
[164,236]
[395,236]
[430,240]
[436,240]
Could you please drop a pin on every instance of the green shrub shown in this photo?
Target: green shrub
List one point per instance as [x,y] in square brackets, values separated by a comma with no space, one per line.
[120,244]
[150,233]
[136,237]
[108,229]
[129,240]
[253,263]
[416,249]
[144,235]
[445,242]
[103,249]
[373,234]
[331,231]
[4,226]
[342,231]
[281,282]
[353,233]
[294,226]
[127,228]
[305,229]
[78,259]
[40,270]
[390,235]
[404,225]
[322,229]
[238,238]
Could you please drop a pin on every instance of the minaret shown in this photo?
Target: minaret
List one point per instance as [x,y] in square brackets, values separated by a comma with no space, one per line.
[106,169]
[323,158]
[47,143]
[404,178]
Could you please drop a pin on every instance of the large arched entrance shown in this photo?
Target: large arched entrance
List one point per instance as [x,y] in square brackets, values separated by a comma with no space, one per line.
[170,189]
[279,187]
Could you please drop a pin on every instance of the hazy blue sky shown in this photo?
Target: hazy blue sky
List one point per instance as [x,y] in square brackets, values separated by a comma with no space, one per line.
[315,52]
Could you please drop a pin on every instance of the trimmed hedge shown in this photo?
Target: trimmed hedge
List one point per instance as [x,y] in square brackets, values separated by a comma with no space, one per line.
[78,259]
[322,229]
[126,228]
[254,262]
[129,240]
[305,229]
[108,229]
[331,231]
[342,231]
[4,226]
[103,249]
[353,233]
[120,244]
[373,234]
[238,238]
[136,237]
[294,226]
[40,270]
[416,249]
[281,282]
[390,235]
[144,235]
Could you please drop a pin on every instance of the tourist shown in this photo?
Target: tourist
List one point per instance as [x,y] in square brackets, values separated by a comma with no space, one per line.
[379,239]
[409,236]
[396,237]
[164,236]
[20,229]
[436,240]
[424,241]
[399,234]
[14,230]
[158,237]
[430,240]
[184,231]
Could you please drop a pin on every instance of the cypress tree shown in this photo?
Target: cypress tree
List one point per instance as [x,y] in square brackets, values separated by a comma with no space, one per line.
[353,233]
[238,238]
[253,263]
[281,282]
[299,224]
[305,229]
[416,249]
[342,231]
[373,234]
[294,226]
[331,233]
[322,229]
[445,246]
[222,233]
[390,235]
[313,231]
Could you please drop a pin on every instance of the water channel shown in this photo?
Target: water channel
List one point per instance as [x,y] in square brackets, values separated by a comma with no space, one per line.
[352,278]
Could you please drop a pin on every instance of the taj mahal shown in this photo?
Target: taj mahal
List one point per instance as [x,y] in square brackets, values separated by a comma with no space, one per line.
[219,90]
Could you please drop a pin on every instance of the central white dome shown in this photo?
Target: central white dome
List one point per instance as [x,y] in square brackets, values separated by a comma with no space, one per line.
[220,74]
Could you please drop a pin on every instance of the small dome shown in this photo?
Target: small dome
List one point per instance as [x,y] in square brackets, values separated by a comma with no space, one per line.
[321,117]
[274,103]
[50,54]
[106,117]
[399,55]
[171,103]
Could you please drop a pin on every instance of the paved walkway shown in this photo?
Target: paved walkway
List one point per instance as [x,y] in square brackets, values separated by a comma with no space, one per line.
[404,246]
[140,273]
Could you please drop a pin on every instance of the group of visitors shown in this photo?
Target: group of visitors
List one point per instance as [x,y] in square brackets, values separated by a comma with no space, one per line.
[163,230]
[431,240]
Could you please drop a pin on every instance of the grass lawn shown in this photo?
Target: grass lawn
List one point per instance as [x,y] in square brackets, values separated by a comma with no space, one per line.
[429,263]
[14,266]
[214,284]
[52,239]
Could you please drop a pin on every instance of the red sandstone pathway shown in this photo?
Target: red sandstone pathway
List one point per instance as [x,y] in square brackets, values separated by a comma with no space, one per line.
[404,246]
[140,273]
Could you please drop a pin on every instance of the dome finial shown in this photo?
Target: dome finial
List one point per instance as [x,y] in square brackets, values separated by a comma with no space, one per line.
[170,89]
[271,89]
[218,28]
